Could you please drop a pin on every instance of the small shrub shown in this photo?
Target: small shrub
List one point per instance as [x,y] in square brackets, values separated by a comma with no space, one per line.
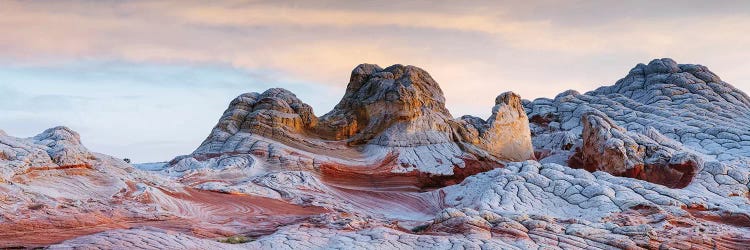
[126,160]
[237,239]
[420,228]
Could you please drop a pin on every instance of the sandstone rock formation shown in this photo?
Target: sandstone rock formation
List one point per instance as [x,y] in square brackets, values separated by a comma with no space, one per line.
[391,121]
[657,161]
[53,189]
[686,103]
[649,156]
[57,147]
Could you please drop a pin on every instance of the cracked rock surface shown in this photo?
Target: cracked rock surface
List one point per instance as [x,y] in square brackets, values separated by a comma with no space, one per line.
[659,160]
[684,102]
[647,156]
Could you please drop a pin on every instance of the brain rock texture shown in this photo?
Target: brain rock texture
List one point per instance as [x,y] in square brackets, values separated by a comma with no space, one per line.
[659,160]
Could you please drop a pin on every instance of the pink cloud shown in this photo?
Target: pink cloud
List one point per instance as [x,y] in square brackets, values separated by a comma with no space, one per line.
[475,53]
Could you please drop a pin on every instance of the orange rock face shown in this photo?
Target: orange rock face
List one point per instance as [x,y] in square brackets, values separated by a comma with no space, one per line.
[396,112]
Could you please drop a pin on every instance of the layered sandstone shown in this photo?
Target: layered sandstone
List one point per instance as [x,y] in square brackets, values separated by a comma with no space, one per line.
[656,161]
[390,121]
[52,186]
[57,147]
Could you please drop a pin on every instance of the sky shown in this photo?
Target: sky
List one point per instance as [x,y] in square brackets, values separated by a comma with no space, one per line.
[147,80]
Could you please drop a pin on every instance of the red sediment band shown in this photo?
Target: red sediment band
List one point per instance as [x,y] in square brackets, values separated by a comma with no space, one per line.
[63,167]
[380,176]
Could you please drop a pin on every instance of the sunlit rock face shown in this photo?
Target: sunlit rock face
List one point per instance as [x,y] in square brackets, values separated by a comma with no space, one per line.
[397,106]
[657,161]
[390,122]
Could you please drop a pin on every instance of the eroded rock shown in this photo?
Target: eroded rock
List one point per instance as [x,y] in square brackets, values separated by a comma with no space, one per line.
[682,113]
[650,156]
[398,112]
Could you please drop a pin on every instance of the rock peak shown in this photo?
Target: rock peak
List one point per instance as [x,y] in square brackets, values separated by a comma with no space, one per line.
[60,133]
[664,65]
[664,79]
[398,110]
[396,83]
[376,99]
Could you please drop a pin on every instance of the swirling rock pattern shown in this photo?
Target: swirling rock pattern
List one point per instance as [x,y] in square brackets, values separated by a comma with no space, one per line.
[54,189]
[397,111]
[656,161]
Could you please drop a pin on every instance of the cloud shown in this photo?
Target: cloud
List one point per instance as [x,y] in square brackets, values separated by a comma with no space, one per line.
[475,50]
[533,48]
[168,108]
[280,36]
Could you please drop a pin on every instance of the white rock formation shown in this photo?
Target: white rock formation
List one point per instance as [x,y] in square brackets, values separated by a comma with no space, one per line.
[657,161]
[683,102]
